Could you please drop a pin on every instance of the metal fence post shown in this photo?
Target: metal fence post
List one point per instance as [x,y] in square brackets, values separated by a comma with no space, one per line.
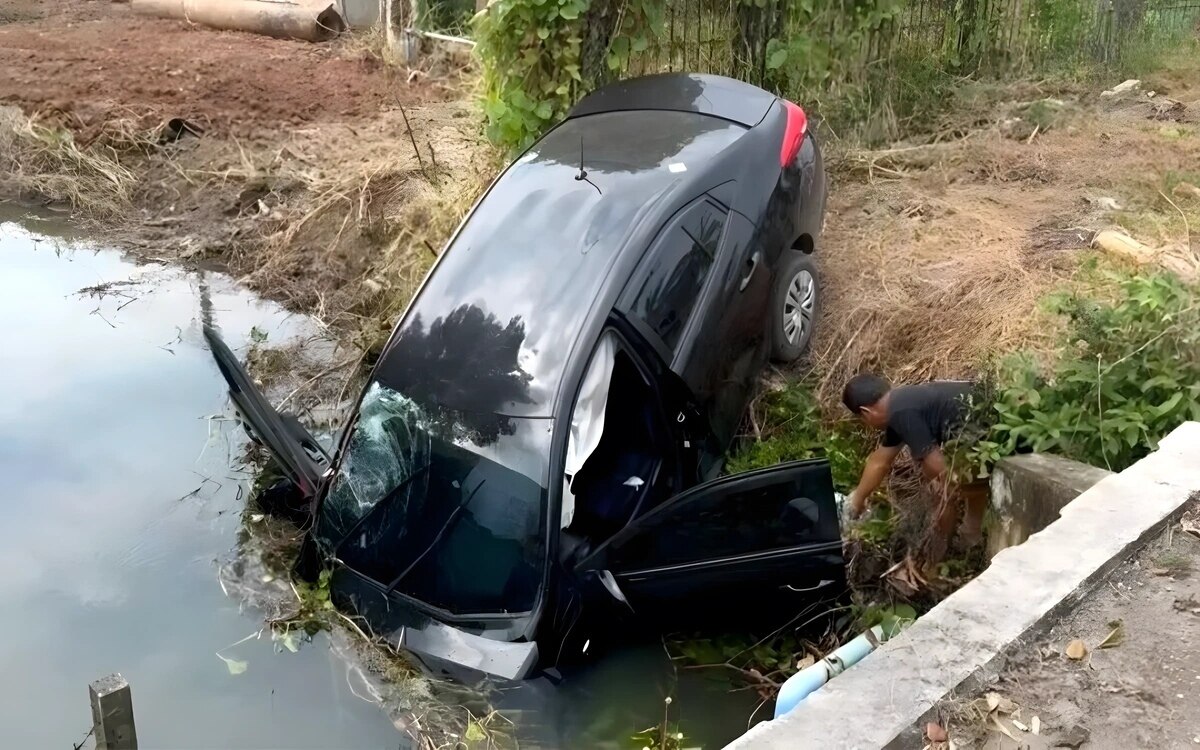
[112,714]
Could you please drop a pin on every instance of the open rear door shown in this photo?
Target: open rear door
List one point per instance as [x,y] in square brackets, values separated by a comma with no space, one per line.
[297,452]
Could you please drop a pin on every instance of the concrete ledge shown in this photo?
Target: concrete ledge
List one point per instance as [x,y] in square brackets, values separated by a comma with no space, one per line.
[873,704]
[1029,491]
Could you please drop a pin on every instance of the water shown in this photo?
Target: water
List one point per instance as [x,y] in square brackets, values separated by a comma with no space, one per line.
[103,567]
[122,498]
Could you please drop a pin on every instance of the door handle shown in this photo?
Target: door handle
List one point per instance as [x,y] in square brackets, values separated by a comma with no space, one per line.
[820,585]
[753,263]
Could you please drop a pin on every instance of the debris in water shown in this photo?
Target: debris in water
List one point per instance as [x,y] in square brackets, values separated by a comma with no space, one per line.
[1035,725]
[935,732]
[235,666]
[1076,650]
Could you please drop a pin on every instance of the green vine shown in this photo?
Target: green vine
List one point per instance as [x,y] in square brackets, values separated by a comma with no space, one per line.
[531,72]
[821,41]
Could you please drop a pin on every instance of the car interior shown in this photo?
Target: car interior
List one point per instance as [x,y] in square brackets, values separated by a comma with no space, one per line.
[617,480]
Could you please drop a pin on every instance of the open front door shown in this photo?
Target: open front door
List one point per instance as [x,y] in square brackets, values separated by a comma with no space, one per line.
[297,452]
[761,543]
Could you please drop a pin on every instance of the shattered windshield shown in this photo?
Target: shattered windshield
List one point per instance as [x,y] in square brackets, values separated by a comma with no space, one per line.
[445,506]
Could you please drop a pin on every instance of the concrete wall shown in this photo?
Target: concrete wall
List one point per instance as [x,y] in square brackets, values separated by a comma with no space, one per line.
[873,704]
[1029,491]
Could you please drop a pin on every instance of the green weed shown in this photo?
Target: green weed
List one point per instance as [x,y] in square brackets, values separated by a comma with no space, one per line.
[790,427]
[1128,374]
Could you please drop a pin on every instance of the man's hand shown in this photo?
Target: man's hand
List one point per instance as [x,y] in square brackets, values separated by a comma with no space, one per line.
[856,505]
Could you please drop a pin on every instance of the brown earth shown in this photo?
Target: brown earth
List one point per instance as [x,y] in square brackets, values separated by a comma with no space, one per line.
[324,178]
[97,61]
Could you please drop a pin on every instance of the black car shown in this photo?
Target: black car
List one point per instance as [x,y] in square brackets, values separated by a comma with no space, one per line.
[539,445]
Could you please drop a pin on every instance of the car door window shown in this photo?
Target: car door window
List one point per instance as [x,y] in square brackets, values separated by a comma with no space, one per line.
[631,462]
[665,291]
[779,508]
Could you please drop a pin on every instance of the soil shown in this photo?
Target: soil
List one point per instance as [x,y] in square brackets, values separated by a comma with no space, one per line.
[1140,691]
[96,61]
[323,178]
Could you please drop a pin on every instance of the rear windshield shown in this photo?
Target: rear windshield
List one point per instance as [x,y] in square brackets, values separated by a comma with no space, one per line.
[444,506]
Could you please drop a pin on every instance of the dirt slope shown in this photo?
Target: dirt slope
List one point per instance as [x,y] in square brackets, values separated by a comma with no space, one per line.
[935,256]
[98,60]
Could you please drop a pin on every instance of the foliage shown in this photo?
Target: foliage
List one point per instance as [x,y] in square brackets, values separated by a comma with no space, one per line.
[1130,373]
[892,617]
[821,42]
[531,72]
[791,428]
[666,736]
[874,67]
[315,604]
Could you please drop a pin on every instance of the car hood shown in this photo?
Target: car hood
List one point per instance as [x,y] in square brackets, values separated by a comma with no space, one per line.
[467,653]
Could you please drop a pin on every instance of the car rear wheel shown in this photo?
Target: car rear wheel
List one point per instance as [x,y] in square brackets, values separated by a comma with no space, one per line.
[795,305]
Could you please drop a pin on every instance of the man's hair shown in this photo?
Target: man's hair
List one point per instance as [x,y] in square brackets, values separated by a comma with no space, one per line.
[864,389]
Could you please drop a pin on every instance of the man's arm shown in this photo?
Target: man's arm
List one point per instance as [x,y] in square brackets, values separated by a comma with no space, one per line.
[874,472]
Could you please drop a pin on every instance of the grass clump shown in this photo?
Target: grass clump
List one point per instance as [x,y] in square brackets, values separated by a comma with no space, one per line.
[39,158]
[788,425]
[1173,562]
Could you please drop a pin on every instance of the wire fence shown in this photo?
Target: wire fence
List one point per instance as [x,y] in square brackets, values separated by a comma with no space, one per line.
[806,44]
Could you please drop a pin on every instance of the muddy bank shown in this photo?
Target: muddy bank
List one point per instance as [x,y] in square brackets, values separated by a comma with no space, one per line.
[320,177]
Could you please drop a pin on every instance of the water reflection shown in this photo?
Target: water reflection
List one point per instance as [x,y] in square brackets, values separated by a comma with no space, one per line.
[119,502]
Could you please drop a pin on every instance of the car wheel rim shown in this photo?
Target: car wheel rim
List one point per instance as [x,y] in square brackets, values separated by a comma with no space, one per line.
[798,307]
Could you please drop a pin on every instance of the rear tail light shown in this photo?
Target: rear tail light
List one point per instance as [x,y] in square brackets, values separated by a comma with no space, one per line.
[793,134]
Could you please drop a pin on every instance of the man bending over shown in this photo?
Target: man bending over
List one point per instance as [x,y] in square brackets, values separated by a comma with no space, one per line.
[924,417]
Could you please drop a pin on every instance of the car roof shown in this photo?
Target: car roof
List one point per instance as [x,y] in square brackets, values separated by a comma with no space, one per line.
[497,319]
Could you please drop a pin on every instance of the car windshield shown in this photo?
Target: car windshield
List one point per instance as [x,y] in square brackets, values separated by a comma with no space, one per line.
[445,506]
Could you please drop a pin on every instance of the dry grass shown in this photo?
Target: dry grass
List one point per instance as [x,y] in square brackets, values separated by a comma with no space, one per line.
[342,223]
[41,159]
[935,257]
[926,274]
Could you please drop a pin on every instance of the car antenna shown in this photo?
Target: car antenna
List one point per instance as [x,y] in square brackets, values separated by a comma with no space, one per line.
[583,172]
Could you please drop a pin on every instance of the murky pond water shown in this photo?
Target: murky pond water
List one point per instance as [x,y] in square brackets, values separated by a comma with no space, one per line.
[123,497]
[109,553]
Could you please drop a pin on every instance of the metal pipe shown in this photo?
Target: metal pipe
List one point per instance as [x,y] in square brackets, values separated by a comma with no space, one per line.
[285,20]
[440,37]
[800,685]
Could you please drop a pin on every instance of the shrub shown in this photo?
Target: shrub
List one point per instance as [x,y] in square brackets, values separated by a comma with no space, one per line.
[1129,374]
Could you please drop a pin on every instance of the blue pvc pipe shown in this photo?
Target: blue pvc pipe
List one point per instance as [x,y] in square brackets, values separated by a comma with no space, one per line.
[808,680]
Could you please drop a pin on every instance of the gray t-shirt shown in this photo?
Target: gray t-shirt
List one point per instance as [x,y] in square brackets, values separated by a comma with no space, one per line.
[925,416]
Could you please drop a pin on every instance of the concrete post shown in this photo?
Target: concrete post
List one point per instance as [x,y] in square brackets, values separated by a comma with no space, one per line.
[1029,492]
[400,47]
[112,714]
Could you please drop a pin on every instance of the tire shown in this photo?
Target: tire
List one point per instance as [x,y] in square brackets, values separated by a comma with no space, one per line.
[795,305]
